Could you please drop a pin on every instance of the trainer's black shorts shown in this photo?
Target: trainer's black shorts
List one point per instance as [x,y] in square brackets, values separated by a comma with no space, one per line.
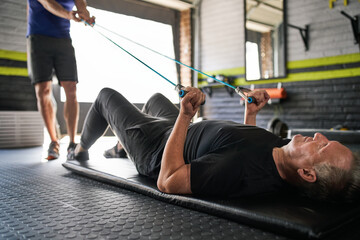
[48,56]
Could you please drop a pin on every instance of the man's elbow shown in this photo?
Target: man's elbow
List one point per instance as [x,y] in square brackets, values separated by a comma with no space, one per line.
[163,186]
[176,183]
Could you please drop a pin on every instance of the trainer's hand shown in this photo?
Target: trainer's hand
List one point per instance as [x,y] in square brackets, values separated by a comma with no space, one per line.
[78,16]
[72,16]
[191,102]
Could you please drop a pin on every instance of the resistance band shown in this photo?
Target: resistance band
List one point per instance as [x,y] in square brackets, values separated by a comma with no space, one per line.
[178,87]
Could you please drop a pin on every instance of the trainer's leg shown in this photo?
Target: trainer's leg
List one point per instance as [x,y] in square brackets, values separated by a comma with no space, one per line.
[40,68]
[71,108]
[43,92]
[66,72]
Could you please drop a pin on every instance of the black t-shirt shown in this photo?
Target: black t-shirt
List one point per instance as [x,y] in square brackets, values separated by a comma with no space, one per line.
[232,159]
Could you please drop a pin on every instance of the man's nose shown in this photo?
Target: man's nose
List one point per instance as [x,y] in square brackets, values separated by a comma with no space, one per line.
[320,137]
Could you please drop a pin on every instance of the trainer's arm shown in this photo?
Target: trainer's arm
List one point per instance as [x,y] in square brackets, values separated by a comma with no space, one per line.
[251,109]
[174,176]
[58,10]
[83,12]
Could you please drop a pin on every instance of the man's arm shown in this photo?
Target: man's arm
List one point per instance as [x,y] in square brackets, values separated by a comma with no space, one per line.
[251,109]
[174,176]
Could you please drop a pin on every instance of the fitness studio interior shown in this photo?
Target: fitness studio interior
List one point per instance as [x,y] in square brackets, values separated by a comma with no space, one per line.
[304,53]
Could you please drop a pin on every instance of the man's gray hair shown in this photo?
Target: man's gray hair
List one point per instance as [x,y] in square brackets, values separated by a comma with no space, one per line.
[333,183]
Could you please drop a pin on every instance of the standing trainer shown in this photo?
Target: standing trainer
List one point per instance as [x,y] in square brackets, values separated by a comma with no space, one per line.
[49,51]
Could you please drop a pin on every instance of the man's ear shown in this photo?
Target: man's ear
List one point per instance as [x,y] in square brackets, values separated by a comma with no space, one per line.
[308,175]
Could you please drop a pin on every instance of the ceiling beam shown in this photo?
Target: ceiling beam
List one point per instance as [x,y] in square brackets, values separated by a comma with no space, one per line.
[174,4]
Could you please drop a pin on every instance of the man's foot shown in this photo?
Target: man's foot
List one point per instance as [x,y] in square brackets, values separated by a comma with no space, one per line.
[75,154]
[114,152]
[53,151]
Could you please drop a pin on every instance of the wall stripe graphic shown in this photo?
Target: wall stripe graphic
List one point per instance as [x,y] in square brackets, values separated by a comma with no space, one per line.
[13,71]
[12,55]
[343,66]
[348,58]
[16,91]
[13,63]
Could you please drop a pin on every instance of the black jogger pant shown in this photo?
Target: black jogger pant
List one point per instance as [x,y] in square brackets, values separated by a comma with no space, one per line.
[143,134]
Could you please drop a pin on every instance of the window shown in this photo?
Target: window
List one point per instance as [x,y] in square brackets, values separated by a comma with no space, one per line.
[103,64]
[252,61]
[265,26]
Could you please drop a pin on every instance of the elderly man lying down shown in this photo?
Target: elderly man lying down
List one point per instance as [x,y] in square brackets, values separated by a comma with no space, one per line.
[214,157]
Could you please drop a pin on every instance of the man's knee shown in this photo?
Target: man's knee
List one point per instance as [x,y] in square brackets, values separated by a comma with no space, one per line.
[155,98]
[154,101]
[106,91]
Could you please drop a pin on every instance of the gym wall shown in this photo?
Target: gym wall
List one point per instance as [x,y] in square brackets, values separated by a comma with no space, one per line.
[16,92]
[322,84]
[320,97]
[20,123]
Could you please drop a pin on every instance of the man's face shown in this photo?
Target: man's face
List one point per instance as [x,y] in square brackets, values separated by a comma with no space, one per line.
[306,152]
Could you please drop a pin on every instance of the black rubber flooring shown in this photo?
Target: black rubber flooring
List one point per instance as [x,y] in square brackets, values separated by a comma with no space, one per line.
[43,200]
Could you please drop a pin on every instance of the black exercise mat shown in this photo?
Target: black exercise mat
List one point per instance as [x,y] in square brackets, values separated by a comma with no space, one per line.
[285,214]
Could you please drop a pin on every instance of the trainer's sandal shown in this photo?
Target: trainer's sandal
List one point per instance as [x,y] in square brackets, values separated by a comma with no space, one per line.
[53,151]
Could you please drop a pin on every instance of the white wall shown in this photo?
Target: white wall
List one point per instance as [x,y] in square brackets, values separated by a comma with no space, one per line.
[222,31]
[222,34]
[13,25]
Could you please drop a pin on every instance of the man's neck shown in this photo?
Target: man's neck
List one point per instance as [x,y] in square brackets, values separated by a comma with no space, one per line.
[279,159]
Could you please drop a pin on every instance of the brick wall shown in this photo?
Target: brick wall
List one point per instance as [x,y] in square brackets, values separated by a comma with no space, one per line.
[330,31]
[311,103]
[185,47]
[16,92]
[316,104]
[21,125]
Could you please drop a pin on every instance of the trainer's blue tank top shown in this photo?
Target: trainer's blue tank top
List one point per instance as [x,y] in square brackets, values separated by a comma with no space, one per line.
[42,22]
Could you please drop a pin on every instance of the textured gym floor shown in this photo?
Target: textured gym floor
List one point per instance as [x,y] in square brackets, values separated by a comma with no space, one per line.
[43,200]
